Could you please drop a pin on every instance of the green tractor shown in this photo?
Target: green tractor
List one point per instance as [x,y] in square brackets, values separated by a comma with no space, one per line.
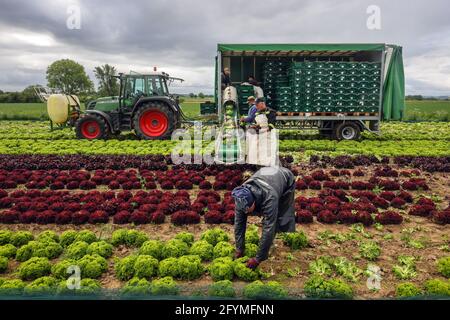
[143,105]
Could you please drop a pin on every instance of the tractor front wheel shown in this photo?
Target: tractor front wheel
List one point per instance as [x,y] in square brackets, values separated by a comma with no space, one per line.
[154,121]
[91,127]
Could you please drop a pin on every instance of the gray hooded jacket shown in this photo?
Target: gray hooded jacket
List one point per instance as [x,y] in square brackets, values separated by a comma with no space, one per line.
[274,192]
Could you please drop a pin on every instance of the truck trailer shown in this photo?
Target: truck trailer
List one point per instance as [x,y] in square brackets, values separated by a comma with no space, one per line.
[339,89]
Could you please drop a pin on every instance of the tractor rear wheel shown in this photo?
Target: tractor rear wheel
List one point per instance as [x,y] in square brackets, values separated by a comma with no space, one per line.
[154,121]
[91,127]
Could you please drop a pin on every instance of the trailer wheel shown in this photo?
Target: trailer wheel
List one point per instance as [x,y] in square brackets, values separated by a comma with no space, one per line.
[347,131]
[154,121]
[91,127]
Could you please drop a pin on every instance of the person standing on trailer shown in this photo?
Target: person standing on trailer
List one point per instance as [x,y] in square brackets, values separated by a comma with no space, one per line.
[226,80]
[252,81]
[269,193]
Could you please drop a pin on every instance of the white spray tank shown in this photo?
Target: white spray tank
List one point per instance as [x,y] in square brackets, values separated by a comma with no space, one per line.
[62,107]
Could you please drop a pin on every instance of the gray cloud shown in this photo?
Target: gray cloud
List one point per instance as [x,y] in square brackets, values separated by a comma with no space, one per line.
[181,36]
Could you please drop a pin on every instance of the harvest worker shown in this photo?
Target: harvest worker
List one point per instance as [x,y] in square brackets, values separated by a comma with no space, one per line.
[264,116]
[252,81]
[270,194]
[251,111]
[226,81]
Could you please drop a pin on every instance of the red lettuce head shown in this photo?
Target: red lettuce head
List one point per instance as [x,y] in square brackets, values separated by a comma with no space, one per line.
[28,217]
[139,217]
[157,217]
[80,217]
[421,210]
[213,217]
[304,216]
[442,217]
[398,203]
[99,216]
[389,217]
[228,217]
[387,195]
[326,216]
[9,216]
[46,217]
[122,217]
[346,217]
[364,217]
[63,217]
[183,217]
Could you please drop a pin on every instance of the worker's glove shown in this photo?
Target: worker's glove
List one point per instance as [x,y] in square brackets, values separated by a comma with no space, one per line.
[252,263]
[238,254]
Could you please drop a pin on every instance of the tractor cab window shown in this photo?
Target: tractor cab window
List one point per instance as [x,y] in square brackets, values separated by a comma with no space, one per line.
[134,87]
[164,84]
[156,86]
[129,88]
[139,86]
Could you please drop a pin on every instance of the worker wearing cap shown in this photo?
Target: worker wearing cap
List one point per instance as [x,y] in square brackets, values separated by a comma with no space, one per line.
[270,193]
[251,111]
[264,117]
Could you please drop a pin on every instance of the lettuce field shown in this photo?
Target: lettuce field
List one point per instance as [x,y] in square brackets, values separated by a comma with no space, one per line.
[372,218]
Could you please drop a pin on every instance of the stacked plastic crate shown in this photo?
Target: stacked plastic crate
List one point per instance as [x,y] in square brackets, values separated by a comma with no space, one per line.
[335,86]
[208,107]
[356,86]
[277,90]
[244,91]
[301,76]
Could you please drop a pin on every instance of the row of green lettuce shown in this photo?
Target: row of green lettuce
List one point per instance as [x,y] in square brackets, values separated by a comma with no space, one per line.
[436,148]
[47,264]
[390,131]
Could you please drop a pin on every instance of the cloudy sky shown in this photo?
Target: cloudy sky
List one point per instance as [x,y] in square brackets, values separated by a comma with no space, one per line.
[180,36]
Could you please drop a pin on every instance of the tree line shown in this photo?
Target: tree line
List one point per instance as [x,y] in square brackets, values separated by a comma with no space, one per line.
[420,98]
[70,77]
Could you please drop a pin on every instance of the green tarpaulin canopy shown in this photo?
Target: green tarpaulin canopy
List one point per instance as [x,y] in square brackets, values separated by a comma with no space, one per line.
[299,47]
[394,85]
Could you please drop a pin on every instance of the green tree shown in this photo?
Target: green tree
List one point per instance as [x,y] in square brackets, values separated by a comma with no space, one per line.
[28,95]
[69,77]
[107,83]
[192,95]
[201,95]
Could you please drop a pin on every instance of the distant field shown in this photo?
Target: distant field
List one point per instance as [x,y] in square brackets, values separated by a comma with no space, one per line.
[38,111]
[414,111]
[427,110]
[23,111]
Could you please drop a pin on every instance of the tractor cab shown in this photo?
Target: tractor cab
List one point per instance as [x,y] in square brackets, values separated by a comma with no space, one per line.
[143,105]
[135,87]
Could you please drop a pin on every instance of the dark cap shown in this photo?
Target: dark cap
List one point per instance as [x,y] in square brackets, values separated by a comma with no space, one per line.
[260,100]
[243,198]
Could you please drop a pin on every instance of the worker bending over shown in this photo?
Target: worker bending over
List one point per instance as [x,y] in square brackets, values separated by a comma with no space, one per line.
[270,194]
